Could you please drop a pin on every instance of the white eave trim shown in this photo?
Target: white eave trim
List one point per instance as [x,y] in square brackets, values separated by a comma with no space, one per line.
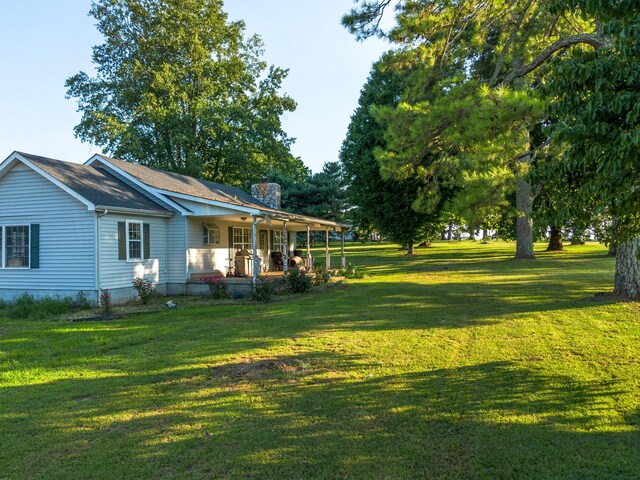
[138,183]
[134,211]
[15,156]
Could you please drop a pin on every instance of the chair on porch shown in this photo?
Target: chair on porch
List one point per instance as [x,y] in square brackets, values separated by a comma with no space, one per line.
[276,259]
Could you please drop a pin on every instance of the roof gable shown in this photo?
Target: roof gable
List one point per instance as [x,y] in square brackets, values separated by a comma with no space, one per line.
[89,185]
[185,185]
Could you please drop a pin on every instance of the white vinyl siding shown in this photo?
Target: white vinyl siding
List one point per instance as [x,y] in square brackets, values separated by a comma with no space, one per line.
[116,273]
[67,235]
[207,258]
[176,249]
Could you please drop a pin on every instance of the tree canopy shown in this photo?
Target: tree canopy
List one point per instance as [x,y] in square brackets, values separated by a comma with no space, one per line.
[179,87]
[389,205]
[474,100]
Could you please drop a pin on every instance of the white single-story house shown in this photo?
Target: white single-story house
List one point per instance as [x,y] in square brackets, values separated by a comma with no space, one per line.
[68,228]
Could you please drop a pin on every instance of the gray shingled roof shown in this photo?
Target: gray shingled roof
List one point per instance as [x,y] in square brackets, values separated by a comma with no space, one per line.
[174,182]
[182,184]
[97,186]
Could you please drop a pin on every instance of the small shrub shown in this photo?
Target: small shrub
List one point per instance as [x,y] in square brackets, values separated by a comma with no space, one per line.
[280,287]
[82,301]
[322,275]
[25,306]
[105,301]
[218,288]
[298,281]
[351,271]
[263,291]
[144,287]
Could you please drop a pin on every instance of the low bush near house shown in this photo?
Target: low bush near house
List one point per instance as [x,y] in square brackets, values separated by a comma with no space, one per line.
[264,290]
[27,307]
[351,271]
[105,301]
[144,287]
[218,288]
[322,275]
[297,281]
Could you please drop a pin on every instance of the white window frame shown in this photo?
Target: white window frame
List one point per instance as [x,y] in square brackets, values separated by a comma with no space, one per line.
[209,228]
[136,222]
[280,242]
[3,230]
[246,234]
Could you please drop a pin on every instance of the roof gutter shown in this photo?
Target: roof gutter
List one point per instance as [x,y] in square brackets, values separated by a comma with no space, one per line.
[134,211]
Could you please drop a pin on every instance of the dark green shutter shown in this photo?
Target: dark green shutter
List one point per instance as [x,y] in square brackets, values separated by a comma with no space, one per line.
[146,237]
[35,245]
[122,241]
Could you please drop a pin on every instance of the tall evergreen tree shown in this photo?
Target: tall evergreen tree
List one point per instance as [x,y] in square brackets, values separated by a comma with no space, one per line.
[179,87]
[474,96]
[386,204]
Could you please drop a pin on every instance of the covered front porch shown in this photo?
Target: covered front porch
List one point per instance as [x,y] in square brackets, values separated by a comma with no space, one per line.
[241,245]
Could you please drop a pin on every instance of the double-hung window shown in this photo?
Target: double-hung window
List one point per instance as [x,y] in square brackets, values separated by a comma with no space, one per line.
[211,234]
[134,241]
[16,240]
[279,241]
[241,238]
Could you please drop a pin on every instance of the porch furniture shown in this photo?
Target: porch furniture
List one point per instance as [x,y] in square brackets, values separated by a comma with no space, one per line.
[276,260]
[242,262]
[296,263]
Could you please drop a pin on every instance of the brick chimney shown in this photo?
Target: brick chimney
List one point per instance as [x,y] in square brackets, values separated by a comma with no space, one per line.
[268,193]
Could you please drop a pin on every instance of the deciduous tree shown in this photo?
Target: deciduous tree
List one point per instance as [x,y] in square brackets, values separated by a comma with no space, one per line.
[179,87]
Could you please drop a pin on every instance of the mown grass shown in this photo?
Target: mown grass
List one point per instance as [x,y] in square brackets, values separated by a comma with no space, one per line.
[456,363]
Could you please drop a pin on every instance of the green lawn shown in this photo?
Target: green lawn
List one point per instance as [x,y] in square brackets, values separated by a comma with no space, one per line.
[456,363]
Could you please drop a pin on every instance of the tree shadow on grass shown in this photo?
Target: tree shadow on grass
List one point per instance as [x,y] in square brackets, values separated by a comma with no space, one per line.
[328,418]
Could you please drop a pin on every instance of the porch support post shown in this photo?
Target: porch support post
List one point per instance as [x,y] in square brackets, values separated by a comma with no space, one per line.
[343,259]
[326,249]
[309,261]
[285,254]
[254,248]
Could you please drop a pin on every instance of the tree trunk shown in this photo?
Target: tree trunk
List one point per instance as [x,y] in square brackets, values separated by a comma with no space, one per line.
[410,249]
[443,235]
[555,239]
[524,226]
[627,279]
[450,231]
[485,235]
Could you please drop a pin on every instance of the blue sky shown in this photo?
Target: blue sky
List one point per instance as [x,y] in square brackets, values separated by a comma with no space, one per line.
[42,42]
